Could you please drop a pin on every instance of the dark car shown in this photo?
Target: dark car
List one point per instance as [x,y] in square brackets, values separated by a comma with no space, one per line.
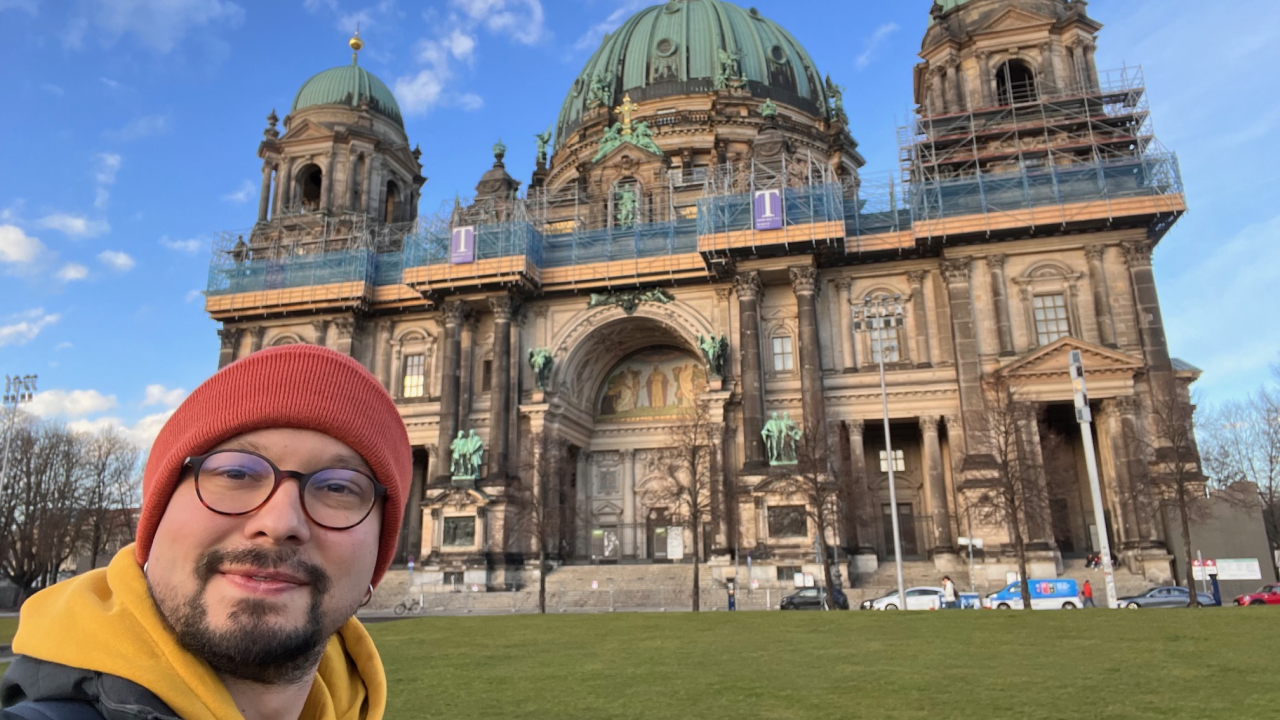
[814,599]
[1163,597]
[1266,595]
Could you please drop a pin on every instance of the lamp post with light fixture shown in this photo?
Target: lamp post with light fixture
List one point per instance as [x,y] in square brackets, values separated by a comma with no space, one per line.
[18,390]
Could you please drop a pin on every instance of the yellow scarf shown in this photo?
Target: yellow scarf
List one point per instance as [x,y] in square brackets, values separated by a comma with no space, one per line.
[105,621]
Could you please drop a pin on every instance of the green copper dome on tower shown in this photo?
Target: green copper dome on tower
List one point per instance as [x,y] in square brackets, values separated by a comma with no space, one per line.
[684,47]
[349,85]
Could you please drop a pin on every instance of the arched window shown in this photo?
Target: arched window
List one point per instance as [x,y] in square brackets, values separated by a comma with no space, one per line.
[311,183]
[391,212]
[1015,83]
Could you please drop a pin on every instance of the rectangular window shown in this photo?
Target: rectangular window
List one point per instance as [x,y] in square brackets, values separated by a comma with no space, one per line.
[415,376]
[454,578]
[1051,318]
[486,376]
[885,340]
[787,573]
[607,482]
[783,357]
[459,531]
[787,521]
[899,461]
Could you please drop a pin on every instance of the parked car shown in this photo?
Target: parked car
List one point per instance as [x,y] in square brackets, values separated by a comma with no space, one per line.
[918,598]
[1163,597]
[1056,594]
[814,599]
[1266,595]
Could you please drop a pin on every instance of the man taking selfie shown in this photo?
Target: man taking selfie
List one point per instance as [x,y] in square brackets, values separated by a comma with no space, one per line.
[271,504]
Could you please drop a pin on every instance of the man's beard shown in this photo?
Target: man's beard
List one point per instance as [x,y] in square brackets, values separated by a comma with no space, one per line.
[252,648]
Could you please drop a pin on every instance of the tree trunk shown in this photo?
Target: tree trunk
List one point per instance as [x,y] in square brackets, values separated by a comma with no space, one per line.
[1185,516]
[697,605]
[1020,544]
[542,577]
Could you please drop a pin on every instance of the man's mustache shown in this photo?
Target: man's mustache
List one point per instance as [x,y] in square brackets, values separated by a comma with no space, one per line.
[267,559]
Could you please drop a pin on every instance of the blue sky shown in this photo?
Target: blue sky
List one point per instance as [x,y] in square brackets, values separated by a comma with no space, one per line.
[130,127]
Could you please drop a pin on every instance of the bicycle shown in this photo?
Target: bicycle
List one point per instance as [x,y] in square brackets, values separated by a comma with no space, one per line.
[412,606]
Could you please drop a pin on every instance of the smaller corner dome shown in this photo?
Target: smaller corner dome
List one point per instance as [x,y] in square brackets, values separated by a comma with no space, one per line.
[348,85]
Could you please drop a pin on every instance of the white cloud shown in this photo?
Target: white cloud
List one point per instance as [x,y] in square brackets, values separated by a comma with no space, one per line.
[421,92]
[590,40]
[470,102]
[187,246]
[63,346]
[522,20]
[113,84]
[72,272]
[117,260]
[873,43]
[143,432]
[106,165]
[70,403]
[241,194]
[74,226]
[461,45]
[193,295]
[18,247]
[28,6]
[53,89]
[168,398]
[28,325]
[145,126]
[156,24]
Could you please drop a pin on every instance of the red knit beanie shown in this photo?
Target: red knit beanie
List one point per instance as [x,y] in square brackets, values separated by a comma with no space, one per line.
[293,386]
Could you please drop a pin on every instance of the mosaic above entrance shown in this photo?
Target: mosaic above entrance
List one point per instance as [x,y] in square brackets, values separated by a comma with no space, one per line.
[651,384]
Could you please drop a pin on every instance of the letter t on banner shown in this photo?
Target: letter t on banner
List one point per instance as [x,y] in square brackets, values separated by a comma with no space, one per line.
[462,248]
[768,209]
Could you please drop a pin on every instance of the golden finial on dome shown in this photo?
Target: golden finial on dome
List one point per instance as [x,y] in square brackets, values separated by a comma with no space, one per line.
[356,44]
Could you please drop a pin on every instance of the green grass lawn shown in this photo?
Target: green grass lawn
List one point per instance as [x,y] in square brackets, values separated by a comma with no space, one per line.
[8,626]
[1165,664]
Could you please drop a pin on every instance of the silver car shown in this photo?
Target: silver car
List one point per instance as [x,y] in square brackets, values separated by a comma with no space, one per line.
[918,598]
[1163,597]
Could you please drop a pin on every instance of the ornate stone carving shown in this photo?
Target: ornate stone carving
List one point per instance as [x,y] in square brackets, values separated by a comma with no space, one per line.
[856,427]
[229,337]
[748,285]
[1137,253]
[956,271]
[345,327]
[723,292]
[916,278]
[1094,253]
[630,300]
[321,328]
[804,279]
[503,307]
[996,262]
[455,311]
[929,425]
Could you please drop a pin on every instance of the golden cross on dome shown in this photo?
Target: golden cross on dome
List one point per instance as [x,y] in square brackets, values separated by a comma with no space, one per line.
[356,44]
[625,109]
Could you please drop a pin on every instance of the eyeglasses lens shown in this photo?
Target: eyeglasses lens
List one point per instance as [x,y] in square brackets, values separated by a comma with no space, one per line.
[235,482]
[339,498]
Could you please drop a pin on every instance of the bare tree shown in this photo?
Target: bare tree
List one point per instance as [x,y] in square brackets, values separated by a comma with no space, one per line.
[690,469]
[1176,479]
[542,513]
[1240,441]
[109,485]
[825,497]
[1014,493]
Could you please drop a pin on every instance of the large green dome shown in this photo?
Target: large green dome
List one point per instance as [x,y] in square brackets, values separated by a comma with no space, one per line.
[348,85]
[674,49]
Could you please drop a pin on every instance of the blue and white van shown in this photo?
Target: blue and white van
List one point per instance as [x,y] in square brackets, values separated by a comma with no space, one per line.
[1059,594]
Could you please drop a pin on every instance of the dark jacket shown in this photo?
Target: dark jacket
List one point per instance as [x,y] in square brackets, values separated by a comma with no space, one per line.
[114,697]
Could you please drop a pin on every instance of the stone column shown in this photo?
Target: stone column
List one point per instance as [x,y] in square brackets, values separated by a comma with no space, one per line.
[749,288]
[1101,295]
[344,331]
[382,353]
[503,307]
[938,98]
[1131,465]
[920,318]
[256,334]
[371,193]
[1137,255]
[353,165]
[264,195]
[629,503]
[1000,295]
[411,535]
[984,78]
[467,371]
[1036,502]
[1090,66]
[864,503]
[229,339]
[321,329]
[283,181]
[957,273]
[455,313]
[326,198]
[847,352]
[936,484]
[955,86]
[1047,71]
[804,280]
[1078,67]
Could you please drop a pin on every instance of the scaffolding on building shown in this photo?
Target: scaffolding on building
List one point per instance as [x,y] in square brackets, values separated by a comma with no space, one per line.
[1082,144]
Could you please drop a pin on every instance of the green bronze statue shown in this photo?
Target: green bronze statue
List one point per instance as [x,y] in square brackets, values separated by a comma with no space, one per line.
[626,206]
[544,139]
[541,361]
[466,453]
[714,350]
[780,438]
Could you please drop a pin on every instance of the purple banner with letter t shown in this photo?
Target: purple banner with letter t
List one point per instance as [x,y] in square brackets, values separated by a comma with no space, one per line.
[462,248]
[767,210]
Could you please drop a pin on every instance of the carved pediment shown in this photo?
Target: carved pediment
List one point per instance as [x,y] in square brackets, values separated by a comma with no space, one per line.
[1053,359]
[607,508]
[1012,19]
[307,130]
[629,157]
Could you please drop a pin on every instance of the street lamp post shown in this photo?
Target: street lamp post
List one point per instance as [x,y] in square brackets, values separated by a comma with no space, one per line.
[876,316]
[18,390]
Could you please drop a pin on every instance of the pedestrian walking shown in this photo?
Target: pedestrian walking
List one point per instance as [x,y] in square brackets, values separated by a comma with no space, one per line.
[950,600]
[271,505]
[1087,593]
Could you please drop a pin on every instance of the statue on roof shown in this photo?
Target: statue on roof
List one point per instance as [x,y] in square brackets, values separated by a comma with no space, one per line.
[730,74]
[626,206]
[499,151]
[544,139]
[835,96]
[642,137]
[769,109]
[612,139]
[601,92]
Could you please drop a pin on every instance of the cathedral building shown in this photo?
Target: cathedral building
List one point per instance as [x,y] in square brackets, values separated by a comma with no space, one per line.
[697,241]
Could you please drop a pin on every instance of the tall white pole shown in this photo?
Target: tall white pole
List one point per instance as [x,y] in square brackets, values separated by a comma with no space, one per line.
[1085,417]
[893,490]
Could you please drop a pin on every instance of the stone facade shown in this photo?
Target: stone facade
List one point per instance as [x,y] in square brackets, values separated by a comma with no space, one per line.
[991,294]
